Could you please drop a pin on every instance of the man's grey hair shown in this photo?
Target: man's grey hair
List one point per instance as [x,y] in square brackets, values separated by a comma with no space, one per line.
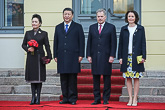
[101,10]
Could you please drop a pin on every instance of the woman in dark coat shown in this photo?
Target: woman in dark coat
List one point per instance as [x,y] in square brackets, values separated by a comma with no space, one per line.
[132,43]
[35,72]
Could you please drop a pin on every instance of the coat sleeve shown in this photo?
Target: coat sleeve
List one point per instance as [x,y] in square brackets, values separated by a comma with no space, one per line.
[55,47]
[113,42]
[81,41]
[120,45]
[47,46]
[24,44]
[143,44]
[88,50]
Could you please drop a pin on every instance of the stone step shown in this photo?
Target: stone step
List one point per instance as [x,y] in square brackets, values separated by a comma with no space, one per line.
[154,74]
[27,97]
[151,82]
[154,91]
[20,80]
[26,89]
[21,72]
[145,98]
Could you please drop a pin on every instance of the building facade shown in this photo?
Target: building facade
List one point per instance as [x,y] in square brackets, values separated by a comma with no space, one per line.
[13,27]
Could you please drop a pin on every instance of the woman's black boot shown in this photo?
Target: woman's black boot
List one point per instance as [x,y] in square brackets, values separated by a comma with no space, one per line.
[39,86]
[33,94]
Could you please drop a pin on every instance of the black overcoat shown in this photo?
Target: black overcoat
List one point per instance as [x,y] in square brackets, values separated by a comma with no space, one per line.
[100,47]
[35,70]
[68,47]
[139,48]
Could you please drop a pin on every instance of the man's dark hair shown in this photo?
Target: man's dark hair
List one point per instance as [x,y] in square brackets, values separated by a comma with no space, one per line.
[68,9]
[136,16]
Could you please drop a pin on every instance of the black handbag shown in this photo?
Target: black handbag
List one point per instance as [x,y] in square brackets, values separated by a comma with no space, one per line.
[45,60]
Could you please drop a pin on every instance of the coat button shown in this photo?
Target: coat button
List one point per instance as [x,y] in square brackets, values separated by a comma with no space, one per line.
[64,50]
[64,43]
[98,52]
[98,44]
[65,36]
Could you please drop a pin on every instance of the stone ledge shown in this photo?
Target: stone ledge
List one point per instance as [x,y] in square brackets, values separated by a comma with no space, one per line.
[21,72]
[145,98]
[27,97]
[20,80]
[153,91]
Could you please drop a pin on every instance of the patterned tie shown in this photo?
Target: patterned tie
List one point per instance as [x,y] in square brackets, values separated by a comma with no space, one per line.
[66,29]
[100,29]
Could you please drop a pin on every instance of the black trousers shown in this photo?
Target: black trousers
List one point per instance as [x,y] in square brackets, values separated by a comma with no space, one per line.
[69,87]
[106,90]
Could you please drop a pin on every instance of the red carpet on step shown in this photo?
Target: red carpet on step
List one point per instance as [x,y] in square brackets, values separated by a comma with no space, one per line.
[85,85]
[81,105]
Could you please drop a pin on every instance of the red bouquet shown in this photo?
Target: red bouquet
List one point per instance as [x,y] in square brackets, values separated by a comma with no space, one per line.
[32,43]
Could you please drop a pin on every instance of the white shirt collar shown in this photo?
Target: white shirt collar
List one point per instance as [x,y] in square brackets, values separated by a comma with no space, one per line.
[102,25]
[68,24]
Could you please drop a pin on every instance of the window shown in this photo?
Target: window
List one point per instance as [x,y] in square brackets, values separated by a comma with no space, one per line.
[122,6]
[12,20]
[90,6]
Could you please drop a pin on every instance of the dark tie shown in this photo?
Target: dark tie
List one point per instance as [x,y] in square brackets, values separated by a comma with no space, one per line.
[66,28]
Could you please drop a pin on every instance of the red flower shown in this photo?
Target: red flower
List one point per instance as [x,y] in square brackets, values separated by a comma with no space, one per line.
[32,43]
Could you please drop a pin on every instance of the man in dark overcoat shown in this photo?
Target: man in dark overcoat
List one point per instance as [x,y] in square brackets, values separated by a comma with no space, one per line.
[69,44]
[101,50]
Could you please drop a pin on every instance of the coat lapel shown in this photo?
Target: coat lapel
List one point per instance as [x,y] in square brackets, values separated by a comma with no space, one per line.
[96,28]
[63,28]
[104,28]
[32,34]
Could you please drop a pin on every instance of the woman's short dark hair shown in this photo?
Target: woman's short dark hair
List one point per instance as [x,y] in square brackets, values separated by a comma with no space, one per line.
[68,9]
[38,17]
[136,16]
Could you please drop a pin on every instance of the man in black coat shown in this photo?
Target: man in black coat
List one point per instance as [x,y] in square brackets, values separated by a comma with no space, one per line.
[69,44]
[101,50]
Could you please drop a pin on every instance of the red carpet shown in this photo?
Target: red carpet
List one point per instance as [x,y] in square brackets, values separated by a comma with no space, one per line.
[81,105]
[85,85]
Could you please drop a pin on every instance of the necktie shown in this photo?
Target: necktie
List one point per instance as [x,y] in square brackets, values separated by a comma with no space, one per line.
[100,29]
[66,28]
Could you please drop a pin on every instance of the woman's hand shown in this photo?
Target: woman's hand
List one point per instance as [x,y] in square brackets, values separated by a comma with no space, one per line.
[143,60]
[31,49]
[121,61]
[55,59]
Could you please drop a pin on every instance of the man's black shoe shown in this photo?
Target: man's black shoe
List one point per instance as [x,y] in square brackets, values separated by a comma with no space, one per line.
[95,103]
[106,102]
[62,102]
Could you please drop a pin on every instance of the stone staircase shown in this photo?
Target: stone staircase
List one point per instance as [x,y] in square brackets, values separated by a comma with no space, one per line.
[152,88]
[13,86]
